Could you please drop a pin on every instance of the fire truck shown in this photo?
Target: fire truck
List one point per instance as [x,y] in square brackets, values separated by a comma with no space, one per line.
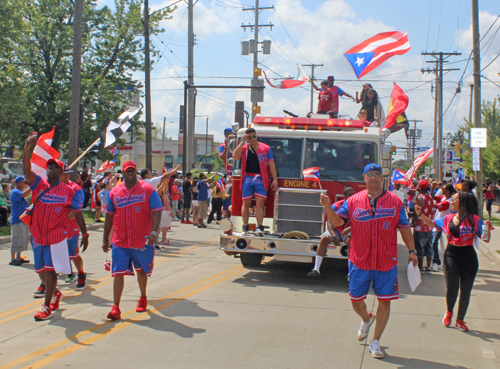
[294,219]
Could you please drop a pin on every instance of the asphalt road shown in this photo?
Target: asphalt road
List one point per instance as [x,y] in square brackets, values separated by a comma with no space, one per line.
[207,311]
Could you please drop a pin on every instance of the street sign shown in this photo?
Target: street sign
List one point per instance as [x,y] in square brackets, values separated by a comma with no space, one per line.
[422,148]
[478,137]
[447,155]
[476,164]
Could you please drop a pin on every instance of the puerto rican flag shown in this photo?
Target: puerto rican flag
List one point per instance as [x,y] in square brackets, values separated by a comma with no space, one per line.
[311,174]
[399,177]
[105,166]
[164,169]
[42,153]
[371,53]
[220,184]
[417,163]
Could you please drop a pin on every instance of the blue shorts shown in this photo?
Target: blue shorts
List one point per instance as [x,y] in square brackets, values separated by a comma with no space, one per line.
[384,284]
[253,186]
[73,247]
[423,243]
[226,204]
[43,257]
[123,258]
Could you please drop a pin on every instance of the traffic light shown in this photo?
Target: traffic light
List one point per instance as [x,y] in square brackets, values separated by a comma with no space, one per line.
[393,150]
[457,147]
[256,109]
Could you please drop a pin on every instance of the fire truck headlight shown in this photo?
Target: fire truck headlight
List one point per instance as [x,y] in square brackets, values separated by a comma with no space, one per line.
[241,244]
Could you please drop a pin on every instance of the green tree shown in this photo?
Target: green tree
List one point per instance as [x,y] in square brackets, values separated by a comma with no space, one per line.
[113,49]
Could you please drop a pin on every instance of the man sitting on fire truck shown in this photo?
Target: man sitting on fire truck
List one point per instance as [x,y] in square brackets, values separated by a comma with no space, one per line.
[335,235]
[257,169]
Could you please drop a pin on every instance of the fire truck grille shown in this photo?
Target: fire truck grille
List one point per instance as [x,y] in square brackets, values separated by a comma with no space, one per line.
[298,210]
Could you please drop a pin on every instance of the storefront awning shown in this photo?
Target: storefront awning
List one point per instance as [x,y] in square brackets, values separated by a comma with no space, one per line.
[169,159]
[179,159]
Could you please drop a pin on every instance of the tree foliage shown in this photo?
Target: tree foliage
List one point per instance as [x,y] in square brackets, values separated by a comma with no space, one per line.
[36,61]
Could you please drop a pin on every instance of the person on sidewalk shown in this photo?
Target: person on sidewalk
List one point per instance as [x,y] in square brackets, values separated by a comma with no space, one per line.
[56,199]
[175,195]
[218,197]
[460,258]
[186,190]
[257,170]
[443,208]
[202,188]
[330,235]
[20,232]
[489,195]
[73,233]
[375,216]
[134,212]
[166,220]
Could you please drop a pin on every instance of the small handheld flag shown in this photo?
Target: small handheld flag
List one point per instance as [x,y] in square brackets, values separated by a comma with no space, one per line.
[312,174]
[220,184]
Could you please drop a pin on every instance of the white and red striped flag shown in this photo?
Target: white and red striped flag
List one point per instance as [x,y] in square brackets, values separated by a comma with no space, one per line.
[417,163]
[311,174]
[42,153]
[105,166]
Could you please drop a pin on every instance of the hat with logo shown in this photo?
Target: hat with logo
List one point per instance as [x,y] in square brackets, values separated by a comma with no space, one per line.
[128,164]
[67,170]
[19,179]
[424,185]
[372,168]
[230,130]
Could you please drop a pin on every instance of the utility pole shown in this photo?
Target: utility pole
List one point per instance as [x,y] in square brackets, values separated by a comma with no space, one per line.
[256,72]
[188,139]
[312,81]
[147,86]
[438,70]
[206,140]
[470,103]
[74,114]
[415,135]
[477,98]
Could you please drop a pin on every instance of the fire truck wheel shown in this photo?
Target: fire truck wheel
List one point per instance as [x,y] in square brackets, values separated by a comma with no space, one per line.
[251,260]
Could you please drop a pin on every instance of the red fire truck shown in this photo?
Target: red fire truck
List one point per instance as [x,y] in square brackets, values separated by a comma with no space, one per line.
[339,148]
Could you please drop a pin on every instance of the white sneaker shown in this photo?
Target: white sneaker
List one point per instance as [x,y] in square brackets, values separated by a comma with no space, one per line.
[364,328]
[435,267]
[375,350]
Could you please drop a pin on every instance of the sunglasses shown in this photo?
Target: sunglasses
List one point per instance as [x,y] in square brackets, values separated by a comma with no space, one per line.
[373,174]
[252,136]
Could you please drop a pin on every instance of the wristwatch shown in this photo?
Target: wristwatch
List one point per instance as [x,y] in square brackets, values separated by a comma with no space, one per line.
[412,251]
[154,233]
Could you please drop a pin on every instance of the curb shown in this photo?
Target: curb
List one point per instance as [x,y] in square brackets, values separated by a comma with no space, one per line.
[90,227]
[490,254]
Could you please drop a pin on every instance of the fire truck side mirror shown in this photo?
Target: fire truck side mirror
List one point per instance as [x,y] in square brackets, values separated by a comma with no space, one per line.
[231,162]
[232,145]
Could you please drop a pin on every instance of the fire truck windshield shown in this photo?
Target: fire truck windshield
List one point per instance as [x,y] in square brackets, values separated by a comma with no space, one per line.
[339,160]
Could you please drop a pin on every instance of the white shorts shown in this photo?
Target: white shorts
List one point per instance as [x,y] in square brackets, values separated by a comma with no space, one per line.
[166,220]
[327,233]
[195,203]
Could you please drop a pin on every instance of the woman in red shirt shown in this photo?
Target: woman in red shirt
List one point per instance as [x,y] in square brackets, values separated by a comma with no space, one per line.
[489,196]
[460,258]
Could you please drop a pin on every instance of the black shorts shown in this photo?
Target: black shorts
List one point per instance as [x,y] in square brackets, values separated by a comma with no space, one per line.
[98,204]
[187,203]
[489,202]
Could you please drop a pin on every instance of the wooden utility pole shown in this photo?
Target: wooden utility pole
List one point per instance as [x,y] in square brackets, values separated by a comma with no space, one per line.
[147,85]
[74,114]
[477,97]
[312,81]
[188,138]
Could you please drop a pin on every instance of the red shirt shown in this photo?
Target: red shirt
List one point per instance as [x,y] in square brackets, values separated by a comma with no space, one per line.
[374,237]
[488,194]
[175,196]
[336,207]
[325,101]
[428,211]
[79,197]
[49,224]
[466,230]
[132,208]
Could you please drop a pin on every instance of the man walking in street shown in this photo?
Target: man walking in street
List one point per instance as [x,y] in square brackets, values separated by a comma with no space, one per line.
[375,216]
[134,212]
[20,232]
[257,170]
[203,198]
[87,185]
[52,200]
[186,190]
[73,233]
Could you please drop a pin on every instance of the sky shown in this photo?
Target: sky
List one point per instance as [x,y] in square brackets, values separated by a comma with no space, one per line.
[320,32]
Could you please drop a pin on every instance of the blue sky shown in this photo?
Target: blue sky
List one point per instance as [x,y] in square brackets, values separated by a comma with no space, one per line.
[317,31]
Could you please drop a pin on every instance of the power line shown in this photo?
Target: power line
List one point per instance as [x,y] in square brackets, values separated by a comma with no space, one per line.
[293,43]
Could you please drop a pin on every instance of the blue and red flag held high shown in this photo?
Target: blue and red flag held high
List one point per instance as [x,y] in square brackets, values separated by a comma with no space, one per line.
[399,177]
[371,53]
[220,184]
[164,169]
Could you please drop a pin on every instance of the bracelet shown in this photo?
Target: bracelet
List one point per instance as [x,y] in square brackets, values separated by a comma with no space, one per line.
[85,235]
[412,251]
[105,240]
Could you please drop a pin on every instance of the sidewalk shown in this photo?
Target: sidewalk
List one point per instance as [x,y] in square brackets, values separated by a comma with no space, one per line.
[492,249]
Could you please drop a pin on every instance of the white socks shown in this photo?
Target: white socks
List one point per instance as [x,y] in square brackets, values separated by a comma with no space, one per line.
[317,262]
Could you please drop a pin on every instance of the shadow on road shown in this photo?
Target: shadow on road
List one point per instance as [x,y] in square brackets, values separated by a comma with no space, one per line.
[410,363]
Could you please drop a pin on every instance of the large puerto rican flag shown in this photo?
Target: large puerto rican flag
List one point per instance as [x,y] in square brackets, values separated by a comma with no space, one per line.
[42,153]
[371,53]
[417,163]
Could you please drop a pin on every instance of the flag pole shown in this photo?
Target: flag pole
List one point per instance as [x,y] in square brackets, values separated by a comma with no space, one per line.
[83,154]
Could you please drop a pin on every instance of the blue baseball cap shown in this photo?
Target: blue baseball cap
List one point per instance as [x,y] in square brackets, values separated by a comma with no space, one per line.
[19,179]
[230,130]
[372,168]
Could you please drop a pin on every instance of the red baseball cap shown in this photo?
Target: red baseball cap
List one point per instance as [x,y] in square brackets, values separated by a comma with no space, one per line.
[424,185]
[128,164]
[59,163]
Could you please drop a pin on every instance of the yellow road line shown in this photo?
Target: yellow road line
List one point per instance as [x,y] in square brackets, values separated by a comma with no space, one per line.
[98,284]
[75,338]
[107,332]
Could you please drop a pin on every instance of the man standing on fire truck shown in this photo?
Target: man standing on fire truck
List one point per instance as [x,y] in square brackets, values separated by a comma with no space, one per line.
[375,216]
[257,169]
